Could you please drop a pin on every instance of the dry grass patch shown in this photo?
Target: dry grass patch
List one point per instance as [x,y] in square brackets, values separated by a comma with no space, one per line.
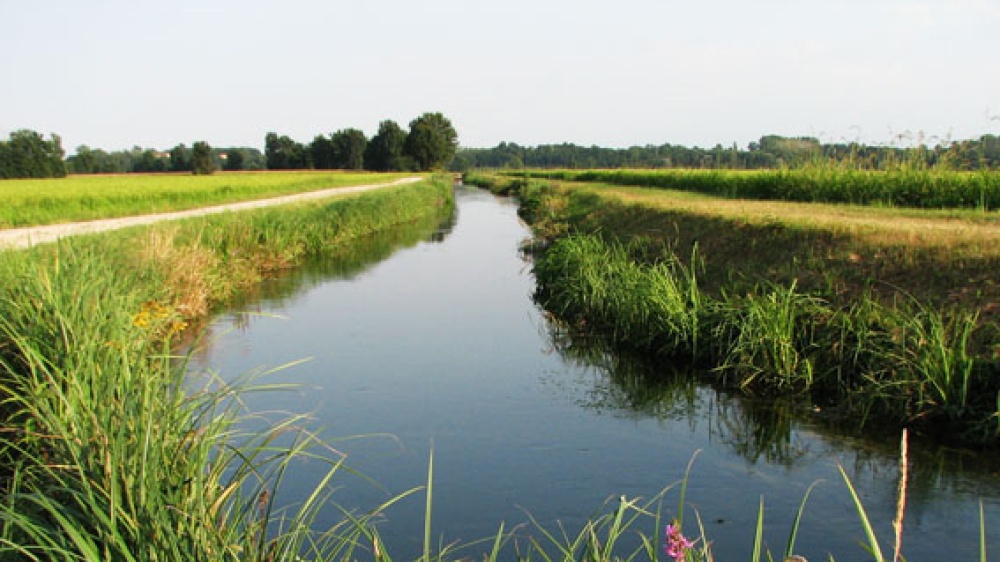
[188,271]
[948,229]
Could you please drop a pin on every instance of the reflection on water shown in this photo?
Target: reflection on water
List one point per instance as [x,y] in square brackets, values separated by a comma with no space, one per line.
[440,345]
[349,261]
[760,430]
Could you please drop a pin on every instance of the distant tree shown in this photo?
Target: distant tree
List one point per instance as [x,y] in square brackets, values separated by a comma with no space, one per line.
[349,149]
[321,150]
[432,141]
[28,155]
[790,151]
[282,153]
[235,158]
[253,159]
[202,159]
[180,159]
[460,163]
[385,151]
[83,162]
[275,152]
[149,160]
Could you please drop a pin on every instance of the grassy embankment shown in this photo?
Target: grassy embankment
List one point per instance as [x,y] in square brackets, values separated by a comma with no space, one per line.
[107,458]
[874,313]
[87,197]
[105,454]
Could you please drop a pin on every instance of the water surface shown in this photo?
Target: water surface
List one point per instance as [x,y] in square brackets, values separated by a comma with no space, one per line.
[440,347]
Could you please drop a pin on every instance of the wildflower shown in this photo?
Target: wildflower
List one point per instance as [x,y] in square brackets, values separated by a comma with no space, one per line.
[677,544]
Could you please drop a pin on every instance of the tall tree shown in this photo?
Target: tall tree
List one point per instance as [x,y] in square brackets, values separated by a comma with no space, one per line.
[432,141]
[83,162]
[385,150]
[349,149]
[282,153]
[202,159]
[180,160]
[149,160]
[28,155]
[322,153]
[235,158]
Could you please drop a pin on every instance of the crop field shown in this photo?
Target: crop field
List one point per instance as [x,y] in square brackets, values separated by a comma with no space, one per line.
[76,198]
[922,189]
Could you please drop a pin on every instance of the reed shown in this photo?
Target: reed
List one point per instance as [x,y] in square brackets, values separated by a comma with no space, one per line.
[108,453]
[770,339]
[908,364]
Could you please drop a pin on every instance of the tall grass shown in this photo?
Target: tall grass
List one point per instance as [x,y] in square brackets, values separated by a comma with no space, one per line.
[908,364]
[927,189]
[106,453]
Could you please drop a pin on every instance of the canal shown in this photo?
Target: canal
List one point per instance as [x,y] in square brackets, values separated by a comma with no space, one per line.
[434,344]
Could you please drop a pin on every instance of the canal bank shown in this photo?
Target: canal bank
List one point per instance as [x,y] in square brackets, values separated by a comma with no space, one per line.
[440,347]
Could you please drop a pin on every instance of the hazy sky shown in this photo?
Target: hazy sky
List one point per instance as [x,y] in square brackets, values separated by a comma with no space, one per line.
[114,73]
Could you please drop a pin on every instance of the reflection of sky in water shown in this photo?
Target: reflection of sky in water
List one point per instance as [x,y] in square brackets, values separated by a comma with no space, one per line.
[440,346]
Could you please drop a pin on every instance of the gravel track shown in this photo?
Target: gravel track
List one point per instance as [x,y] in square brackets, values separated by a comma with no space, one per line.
[29,236]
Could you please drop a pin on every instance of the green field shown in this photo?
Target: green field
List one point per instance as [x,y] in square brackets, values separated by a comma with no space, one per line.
[827,183]
[88,197]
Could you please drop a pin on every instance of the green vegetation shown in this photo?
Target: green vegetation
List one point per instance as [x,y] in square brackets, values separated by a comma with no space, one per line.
[430,144]
[88,160]
[823,184]
[911,365]
[33,202]
[202,162]
[28,155]
[760,296]
[106,453]
[385,151]
[770,151]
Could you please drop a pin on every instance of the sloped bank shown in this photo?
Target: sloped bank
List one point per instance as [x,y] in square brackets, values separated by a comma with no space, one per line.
[106,455]
[906,362]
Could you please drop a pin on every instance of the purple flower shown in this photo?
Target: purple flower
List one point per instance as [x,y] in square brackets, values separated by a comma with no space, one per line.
[677,544]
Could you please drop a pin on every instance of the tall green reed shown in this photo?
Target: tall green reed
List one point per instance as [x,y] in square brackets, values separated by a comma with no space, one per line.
[771,339]
[109,454]
[908,363]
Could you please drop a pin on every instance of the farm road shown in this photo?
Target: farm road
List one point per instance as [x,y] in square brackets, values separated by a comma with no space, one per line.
[29,236]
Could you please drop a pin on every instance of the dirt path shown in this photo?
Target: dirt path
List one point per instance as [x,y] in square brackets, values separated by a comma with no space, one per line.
[29,236]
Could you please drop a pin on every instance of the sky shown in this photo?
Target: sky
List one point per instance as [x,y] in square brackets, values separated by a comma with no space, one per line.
[114,74]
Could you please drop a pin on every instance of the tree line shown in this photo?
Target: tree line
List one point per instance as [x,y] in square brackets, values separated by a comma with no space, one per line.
[180,158]
[430,143]
[771,151]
